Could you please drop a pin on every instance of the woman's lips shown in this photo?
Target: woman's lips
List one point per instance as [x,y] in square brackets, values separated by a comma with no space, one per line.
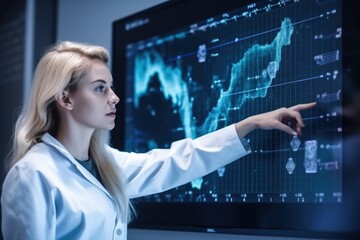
[111,114]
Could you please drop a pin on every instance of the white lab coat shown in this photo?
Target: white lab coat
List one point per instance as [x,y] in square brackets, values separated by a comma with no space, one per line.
[49,195]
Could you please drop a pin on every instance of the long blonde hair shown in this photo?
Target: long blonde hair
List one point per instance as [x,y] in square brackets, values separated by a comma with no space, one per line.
[61,68]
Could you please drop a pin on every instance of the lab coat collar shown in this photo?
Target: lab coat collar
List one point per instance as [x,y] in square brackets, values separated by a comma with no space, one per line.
[51,141]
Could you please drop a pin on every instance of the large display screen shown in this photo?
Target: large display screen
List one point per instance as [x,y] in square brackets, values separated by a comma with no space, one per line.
[183,78]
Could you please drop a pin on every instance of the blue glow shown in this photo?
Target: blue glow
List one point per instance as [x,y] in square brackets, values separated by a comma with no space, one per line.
[261,62]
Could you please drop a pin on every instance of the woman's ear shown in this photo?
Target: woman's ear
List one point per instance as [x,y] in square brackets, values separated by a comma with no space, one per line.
[63,100]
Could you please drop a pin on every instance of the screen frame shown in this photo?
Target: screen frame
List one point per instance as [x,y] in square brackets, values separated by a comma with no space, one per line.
[250,218]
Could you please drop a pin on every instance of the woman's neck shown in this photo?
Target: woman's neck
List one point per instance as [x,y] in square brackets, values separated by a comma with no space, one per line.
[76,140]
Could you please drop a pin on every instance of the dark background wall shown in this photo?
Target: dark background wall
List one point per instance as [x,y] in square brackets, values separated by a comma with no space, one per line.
[12,43]
[16,59]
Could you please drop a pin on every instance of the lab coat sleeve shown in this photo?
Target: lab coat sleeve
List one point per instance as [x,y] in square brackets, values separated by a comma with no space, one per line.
[27,212]
[161,169]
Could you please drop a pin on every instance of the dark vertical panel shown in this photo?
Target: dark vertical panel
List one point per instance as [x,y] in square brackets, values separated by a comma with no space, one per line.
[12,37]
[45,26]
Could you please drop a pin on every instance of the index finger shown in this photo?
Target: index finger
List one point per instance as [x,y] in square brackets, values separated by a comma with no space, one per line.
[303,106]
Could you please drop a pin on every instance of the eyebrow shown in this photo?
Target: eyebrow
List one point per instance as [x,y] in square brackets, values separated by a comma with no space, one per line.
[101,81]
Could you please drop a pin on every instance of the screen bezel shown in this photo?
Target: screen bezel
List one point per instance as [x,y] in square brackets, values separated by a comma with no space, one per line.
[290,219]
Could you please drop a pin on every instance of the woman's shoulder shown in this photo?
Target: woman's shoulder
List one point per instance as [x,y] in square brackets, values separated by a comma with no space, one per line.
[39,158]
[35,164]
[116,152]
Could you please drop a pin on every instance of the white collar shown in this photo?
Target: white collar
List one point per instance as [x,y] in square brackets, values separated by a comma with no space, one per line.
[51,141]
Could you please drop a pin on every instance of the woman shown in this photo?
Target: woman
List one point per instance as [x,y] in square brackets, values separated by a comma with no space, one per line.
[66,182]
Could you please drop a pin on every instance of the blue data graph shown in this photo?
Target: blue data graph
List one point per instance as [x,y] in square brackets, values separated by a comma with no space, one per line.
[218,71]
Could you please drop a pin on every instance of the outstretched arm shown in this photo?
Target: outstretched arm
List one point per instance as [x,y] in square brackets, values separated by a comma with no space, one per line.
[276,119]
[187,159]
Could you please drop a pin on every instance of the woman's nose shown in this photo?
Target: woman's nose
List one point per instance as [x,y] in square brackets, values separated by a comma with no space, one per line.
[113,99]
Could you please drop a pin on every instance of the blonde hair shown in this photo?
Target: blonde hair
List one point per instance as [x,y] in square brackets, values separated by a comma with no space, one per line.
[61,68]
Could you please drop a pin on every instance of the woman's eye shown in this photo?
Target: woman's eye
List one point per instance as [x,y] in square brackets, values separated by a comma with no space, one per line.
[100,89]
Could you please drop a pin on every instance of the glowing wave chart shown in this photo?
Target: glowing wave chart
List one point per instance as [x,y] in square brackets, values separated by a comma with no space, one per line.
[199,78]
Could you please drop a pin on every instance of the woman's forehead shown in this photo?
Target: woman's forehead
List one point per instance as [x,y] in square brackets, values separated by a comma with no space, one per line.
[97,70]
